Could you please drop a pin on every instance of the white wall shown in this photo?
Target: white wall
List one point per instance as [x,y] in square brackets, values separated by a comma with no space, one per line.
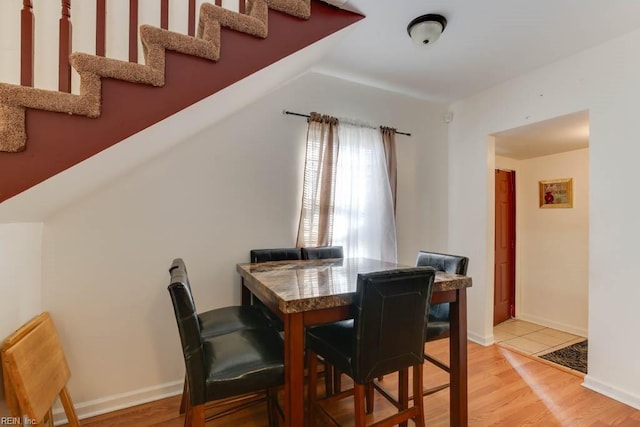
[233,187]
[20,263]
[552,255]
[603,80]
[10,42]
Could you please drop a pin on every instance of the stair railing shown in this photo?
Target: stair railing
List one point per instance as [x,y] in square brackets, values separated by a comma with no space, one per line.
[99,20]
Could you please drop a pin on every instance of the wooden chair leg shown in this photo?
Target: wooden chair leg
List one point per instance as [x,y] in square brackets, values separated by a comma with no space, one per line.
[188,414]
[183,401]
[418,401]
[48,419]
[328,379]
[272,396]
[337,380]
[369,397]
[197,416]
[359,397]
[312,395]
[403,391]
[69,410]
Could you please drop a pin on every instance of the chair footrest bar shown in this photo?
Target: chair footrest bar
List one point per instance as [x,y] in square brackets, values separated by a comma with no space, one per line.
[392,399]
[438,363]
[436,389]
[237,408]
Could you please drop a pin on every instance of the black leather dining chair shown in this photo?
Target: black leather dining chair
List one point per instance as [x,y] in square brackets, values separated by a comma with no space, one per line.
[222,320]
[322,252]
[385,336]
[226,365]
[439,322]
[267,255]
[283,254]
[276,254]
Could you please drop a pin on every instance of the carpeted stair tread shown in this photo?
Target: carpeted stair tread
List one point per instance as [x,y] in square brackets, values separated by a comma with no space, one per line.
[14,98]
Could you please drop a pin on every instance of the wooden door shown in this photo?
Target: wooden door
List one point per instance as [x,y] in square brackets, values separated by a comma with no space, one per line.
[505,247]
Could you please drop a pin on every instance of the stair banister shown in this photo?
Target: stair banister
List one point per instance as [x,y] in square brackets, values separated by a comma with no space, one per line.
[26,43]
[65,48]
[34,19]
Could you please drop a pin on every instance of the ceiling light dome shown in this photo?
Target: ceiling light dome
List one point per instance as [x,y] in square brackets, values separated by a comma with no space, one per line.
[426,29]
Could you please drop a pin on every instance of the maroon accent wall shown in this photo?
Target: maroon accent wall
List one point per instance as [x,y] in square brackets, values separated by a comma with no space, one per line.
[58,141]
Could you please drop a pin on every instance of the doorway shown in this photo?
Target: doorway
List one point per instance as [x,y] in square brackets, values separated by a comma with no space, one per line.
[505,247]
[551,249]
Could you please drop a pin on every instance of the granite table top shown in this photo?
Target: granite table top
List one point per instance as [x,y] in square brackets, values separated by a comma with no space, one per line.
[296,286]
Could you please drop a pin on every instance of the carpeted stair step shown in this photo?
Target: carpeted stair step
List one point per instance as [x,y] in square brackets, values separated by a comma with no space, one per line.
[91,68]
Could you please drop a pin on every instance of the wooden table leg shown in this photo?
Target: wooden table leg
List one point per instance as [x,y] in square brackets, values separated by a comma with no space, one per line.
[294,370]
[458,363]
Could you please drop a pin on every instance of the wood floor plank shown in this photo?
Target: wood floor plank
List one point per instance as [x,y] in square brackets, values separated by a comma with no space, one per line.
[505,389]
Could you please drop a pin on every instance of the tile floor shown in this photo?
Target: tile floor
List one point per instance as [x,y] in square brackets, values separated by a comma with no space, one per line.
[531,338]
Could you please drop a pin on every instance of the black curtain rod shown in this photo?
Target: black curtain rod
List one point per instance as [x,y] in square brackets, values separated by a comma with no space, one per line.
[291,113]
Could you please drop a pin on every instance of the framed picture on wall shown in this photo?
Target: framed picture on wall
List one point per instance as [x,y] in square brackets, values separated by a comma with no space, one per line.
[556,193]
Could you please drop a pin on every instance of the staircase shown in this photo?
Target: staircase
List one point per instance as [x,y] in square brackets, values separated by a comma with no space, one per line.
[44,132]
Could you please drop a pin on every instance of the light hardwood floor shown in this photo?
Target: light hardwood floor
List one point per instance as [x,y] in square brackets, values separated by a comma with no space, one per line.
[505,389]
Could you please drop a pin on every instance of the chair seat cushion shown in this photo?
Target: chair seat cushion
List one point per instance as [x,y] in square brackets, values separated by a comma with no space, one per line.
[242,362]
[273,318]
[335,342]
[438,325]
[437,330]
[439,312]
[230,319]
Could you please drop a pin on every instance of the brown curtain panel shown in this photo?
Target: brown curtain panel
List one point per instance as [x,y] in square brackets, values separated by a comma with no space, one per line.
[389,142]
[316,217]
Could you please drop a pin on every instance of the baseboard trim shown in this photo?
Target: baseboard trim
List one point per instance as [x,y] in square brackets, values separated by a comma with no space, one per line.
[483,340]
[554,325]
[120,401]
[612,392]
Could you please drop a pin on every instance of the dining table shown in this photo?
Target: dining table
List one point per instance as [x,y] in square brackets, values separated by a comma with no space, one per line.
[303,293]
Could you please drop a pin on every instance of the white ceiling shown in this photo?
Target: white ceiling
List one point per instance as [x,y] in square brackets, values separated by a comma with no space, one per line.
[485,43]
[557,135]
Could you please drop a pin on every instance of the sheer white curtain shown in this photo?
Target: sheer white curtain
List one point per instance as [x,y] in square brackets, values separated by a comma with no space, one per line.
[364,220]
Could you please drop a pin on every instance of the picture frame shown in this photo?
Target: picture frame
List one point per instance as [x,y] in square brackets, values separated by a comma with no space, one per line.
[556,193]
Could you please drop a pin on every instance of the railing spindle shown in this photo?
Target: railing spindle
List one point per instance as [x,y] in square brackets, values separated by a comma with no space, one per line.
[164,14]
[101,27]
[27,21]
[192,18]
[133,30]
[64,69]
[241,6]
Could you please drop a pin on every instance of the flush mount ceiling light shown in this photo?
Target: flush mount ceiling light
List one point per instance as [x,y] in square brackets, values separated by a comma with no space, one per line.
[426,29]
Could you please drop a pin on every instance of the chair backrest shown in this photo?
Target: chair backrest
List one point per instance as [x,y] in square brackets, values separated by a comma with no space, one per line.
[323,252]
[391,309]
[36,371]
[453,264]
[278,254]
[189,329]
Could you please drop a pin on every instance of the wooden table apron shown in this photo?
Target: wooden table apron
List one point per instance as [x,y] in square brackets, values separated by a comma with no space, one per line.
[295,323]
